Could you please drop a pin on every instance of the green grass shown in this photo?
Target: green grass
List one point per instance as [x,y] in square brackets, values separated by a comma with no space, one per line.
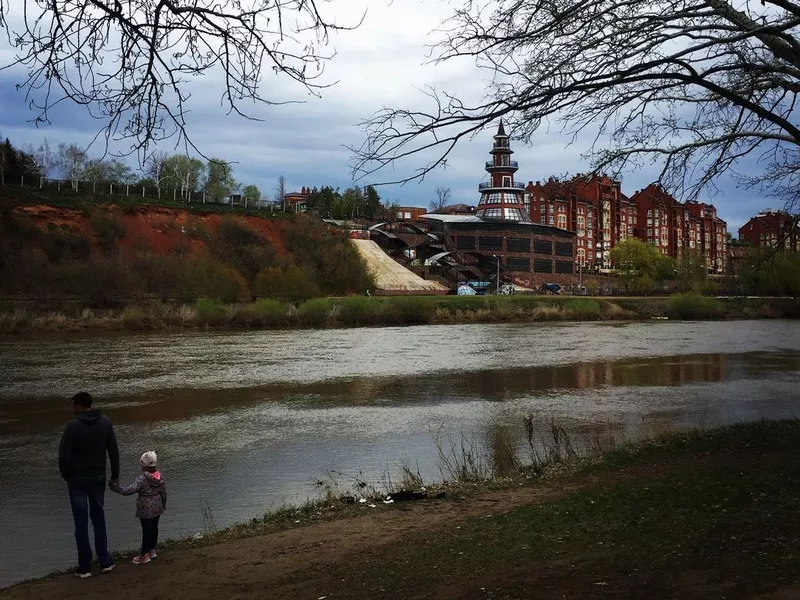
[705,507]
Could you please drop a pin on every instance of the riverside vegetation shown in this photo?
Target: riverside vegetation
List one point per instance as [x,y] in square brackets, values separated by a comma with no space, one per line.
[271,313]
[697,514]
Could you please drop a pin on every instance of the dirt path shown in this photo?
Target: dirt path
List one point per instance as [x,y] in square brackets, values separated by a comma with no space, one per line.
[287,564]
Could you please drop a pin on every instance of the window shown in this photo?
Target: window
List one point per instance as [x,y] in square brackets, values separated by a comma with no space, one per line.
[562,221]
[564,266]
[465,243]
[563,249]
[581,255]
[649,233]
[506,181]
[542,246]
[518,245]
[581,222]
[550,220]
[490,243]
[543,219]
[518,263]
[541,265]
[649,213]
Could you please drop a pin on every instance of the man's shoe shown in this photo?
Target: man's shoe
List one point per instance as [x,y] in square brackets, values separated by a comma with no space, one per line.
[141,560]
[152,554]
[83,573]
[108,568]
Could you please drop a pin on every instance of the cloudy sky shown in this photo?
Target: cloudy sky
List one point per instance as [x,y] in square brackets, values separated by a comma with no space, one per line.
[382,63]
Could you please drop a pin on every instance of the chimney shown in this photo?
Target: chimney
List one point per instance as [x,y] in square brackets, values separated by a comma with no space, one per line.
[537,183]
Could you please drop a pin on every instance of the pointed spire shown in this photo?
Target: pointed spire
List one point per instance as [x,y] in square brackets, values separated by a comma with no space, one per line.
[500,129]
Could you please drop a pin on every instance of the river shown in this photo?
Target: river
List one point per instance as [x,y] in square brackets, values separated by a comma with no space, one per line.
[248,421]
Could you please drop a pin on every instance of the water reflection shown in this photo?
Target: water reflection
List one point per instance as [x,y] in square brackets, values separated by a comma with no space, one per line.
[496,385]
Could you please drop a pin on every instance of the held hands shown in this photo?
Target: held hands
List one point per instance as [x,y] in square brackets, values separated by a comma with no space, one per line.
[113,485]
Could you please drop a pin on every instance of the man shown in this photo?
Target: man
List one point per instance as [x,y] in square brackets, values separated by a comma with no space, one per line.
[82,462]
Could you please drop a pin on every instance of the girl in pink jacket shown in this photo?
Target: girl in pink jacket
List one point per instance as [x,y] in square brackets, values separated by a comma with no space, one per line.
[150,505]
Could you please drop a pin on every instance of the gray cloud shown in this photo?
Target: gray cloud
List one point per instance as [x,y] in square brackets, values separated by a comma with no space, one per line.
[384,63]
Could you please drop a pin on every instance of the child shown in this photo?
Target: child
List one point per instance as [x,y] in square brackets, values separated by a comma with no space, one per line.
[150,505]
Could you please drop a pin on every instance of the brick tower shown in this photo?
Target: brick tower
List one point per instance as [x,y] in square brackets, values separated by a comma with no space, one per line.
[501,198]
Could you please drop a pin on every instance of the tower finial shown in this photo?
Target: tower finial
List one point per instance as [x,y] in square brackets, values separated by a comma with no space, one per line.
[500,129]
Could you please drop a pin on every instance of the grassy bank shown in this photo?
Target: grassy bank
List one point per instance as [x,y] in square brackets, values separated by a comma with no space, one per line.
[374,311]
[686,515]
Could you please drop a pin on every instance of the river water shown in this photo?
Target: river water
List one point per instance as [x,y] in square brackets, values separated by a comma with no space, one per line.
[248,421]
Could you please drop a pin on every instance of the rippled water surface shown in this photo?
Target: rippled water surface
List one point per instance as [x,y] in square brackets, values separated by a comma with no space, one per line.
[244,422]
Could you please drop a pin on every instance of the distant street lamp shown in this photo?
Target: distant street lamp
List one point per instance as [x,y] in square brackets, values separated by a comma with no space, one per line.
[498,273]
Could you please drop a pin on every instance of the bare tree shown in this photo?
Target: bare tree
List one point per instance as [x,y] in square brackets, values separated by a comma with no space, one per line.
[41,157]
[700,88]
[130,63]
[443,195]
[280,192]
[155,168]
[72,162]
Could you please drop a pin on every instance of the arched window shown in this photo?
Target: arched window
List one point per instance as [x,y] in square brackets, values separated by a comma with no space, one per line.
[562,221]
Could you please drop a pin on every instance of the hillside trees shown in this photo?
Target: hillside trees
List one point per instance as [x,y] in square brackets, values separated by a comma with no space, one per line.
[183,173]
[15,164]
[71,160]
[219,182]
[251,196]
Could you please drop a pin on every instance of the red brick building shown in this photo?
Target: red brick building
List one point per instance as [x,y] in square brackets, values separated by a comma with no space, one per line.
[408,213]
[676,228]
[769,227]
[296,201]
[594,207]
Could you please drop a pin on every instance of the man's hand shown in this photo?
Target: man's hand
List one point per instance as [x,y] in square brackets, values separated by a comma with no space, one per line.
[113,484]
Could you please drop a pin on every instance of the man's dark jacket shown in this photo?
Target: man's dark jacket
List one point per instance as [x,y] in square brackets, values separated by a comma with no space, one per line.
[84,444]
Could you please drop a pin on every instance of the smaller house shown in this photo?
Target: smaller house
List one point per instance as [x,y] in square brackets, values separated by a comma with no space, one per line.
[409,213]
[297,201]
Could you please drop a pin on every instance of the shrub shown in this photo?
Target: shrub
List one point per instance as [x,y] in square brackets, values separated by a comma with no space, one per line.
[62,244]
[694,306]
[409,310]
[315,313]
[206,277]
[209,312]
[263,313]
[291,283]
[107,230]
[241,246]
[134,318]
[360,310]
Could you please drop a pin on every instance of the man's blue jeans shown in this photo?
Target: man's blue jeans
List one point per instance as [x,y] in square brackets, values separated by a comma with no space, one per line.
[86,496]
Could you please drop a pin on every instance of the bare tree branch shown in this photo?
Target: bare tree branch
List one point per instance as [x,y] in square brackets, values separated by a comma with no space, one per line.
[700,88]
[130,63]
